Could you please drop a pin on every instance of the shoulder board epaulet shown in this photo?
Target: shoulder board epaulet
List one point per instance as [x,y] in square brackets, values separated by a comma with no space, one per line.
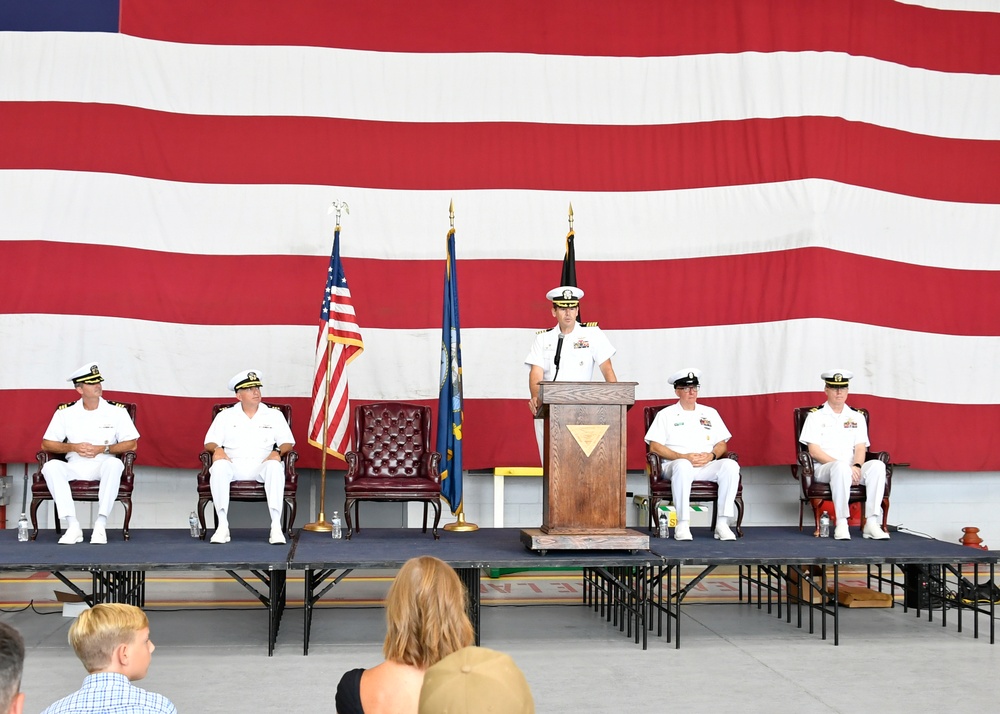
[116,404]
[815,409]
[542,332]
[228,406]
[590,324]
[65,406]
[274,406]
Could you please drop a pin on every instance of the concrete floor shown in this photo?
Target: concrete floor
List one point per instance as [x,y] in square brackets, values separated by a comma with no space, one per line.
[734,657]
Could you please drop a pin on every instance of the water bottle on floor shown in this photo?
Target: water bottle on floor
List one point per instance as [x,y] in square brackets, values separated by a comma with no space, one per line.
[335,522]
[824,525]
[194,526]
[22,529]
[664,526]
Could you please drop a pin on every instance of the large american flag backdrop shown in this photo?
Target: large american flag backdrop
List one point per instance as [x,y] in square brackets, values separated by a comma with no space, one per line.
[762,188]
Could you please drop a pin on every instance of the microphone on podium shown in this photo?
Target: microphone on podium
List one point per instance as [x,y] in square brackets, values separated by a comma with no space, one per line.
[555,360]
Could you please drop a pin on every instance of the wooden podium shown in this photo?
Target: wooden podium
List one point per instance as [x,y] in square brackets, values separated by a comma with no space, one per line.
[583,487]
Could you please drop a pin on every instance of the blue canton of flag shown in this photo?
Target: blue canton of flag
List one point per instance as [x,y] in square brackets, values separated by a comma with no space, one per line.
[449,433]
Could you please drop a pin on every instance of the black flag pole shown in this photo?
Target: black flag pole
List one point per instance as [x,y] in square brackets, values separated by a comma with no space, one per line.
[569,260]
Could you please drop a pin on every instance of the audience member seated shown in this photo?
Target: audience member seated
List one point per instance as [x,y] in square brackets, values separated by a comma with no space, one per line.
[112,641]
[476,680]
[426,620]
[11,666]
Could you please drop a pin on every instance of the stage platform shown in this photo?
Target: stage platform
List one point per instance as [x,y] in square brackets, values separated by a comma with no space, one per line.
[326,561]
[118,568]
[627,588]
[771,555]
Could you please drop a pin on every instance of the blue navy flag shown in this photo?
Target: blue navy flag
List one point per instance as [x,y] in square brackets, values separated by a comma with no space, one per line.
[449,433]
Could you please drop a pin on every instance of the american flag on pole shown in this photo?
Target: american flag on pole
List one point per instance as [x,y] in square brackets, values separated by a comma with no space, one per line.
[338,344]
[768,189]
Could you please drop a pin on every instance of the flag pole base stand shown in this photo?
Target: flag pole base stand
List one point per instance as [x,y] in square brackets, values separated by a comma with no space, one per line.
[461,526]
[320,526]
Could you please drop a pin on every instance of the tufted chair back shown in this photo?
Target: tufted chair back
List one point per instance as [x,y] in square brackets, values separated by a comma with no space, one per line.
[393,439]
[392,460]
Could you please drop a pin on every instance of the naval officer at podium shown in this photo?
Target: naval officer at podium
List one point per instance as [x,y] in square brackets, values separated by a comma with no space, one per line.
[567,352]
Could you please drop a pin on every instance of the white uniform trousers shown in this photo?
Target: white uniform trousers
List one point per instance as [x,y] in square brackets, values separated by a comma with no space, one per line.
[682,473]
[838,475]
[103,467]
[270,473]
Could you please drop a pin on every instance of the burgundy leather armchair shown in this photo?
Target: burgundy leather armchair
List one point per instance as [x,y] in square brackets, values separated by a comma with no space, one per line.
[814,492]
[701,491]
[84,490]
[392,460]
[251,490]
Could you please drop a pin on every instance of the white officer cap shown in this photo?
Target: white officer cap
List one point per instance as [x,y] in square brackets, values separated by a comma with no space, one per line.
[246,379]
[837,377]
[565,296]
[86,374]
[687,377]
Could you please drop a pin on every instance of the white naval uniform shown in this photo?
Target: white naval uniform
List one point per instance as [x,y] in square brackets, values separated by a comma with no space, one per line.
[837,435]
[583,349]
[248,442]
[108,424]
[694,432]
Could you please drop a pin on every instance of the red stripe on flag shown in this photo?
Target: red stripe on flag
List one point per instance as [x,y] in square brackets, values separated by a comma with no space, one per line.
[892,31]
[725,290]
[492,155]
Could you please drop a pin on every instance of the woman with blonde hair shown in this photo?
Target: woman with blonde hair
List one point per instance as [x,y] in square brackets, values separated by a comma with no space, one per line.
[426,620]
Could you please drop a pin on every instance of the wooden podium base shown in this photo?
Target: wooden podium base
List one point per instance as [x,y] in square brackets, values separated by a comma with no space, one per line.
[624,539]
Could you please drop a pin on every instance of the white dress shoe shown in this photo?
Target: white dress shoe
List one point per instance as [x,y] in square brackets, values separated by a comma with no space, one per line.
[221,535]
[873,530]
[683,531]
[841,532]
[73,534]
[99,536]
[276,537]
[723,532]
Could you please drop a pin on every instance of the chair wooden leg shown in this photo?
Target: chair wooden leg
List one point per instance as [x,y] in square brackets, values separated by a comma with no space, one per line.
[347,517]
[202,502]
[715,513]
[816,504]
[290,508]
[739,515]
[654,514]
[437,518]
[425,518]
[35,502]
[126,501]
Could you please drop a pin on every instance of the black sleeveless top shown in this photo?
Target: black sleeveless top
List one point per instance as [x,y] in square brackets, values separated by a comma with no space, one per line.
[349,693]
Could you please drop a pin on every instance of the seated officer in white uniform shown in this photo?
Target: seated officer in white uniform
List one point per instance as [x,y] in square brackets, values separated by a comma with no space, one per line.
[246,443]
[90,432]
[837,437]
[690,440]
[567,352]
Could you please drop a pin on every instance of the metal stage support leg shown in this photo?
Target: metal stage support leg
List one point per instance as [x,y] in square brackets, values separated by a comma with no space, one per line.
[274,599]
[771,585]
[825,604]
[621,594]
[123,586]
[313,580]
[470,578]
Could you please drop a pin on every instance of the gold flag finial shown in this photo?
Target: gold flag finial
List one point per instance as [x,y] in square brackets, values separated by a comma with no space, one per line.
[337,207]
[451,212]
[571,215]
